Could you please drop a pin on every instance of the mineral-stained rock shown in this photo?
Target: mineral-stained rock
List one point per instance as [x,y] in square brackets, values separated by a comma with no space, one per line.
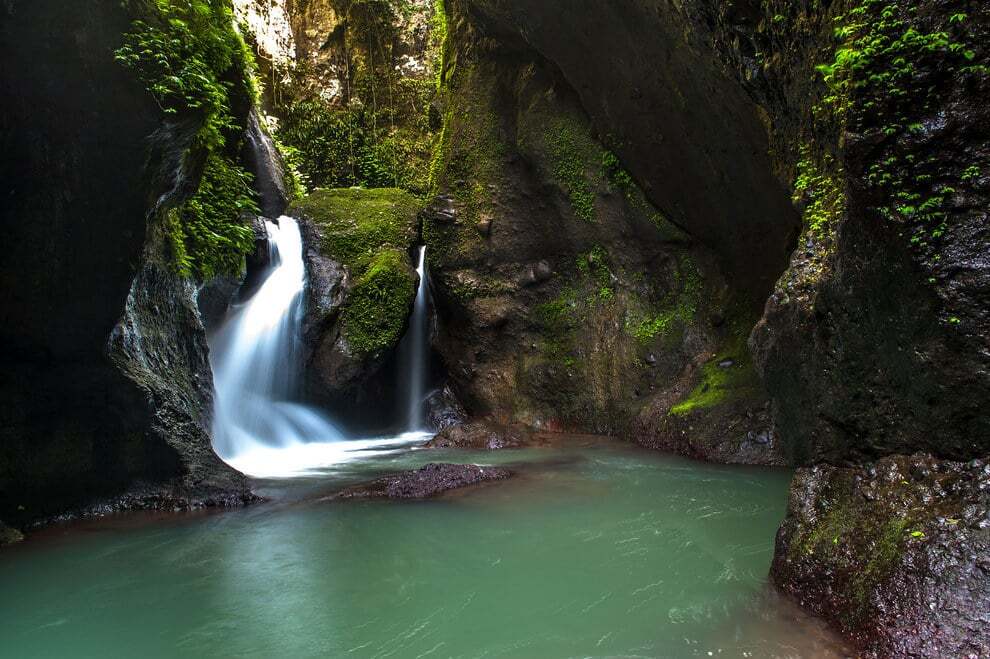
[426,482]
[896,554]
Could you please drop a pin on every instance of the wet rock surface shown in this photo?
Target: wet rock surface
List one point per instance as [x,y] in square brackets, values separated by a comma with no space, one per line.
[738,431]
[444,410]
[895,554]
[484,435]
[265,162]
[426,482]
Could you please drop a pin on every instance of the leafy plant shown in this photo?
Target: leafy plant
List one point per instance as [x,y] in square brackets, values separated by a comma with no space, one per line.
[194,63]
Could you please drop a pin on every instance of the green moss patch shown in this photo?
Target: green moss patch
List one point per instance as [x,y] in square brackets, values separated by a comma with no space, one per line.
[370,232]
[375,316]
[730,375]
[570,149]
[467,160]
[891,68]
[675,311]
[357,223]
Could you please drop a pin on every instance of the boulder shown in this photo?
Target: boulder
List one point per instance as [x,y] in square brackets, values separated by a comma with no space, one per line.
[895,554]
[429,481]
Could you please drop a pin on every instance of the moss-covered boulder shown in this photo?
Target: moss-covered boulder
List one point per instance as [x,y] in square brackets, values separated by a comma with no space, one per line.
[894,554]
[378,306]
[356,223]
[362,286]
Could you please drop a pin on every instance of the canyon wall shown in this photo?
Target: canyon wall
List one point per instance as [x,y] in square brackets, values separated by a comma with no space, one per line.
[106,384]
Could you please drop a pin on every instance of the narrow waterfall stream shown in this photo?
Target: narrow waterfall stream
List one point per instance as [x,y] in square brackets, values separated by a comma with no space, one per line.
[415,351]
[260,425]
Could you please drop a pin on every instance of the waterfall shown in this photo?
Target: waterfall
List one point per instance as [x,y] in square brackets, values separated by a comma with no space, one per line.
[416,350]
[259,425]
[256,360]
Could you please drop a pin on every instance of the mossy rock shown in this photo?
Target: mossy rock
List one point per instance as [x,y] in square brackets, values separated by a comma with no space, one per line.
[356,224]
[378,305]
[728,376]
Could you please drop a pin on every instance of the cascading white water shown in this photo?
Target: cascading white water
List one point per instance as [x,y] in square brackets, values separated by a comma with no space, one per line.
[256,360]
[259,426]
[417,351]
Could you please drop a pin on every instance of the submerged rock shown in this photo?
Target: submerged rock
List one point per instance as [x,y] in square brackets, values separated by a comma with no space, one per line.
[896,555]
[428,481]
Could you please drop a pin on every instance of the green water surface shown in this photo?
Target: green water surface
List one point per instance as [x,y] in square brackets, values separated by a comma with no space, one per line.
[596,550]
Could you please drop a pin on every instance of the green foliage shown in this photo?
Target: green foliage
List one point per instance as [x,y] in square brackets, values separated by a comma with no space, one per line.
[205,238]
[615,173]
[370,146]
[889,66]
[377,307]
[192,60]
[376,131]
[189,56]
[819,187]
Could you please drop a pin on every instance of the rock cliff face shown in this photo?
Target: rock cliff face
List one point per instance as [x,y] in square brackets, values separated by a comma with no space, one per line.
[683,127]
[873,341]
[568,296]
[89,411]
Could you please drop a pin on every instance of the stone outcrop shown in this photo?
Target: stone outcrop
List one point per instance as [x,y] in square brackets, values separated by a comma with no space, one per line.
[106,383]
[357,246]
[567,299]
[426,482]
[896,554]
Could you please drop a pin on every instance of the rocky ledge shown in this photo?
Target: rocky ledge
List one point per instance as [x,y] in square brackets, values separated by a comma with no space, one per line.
[484,435]
[895,554]
[423,483]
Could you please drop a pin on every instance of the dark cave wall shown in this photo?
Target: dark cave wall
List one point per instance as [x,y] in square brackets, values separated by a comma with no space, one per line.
[87,159]
[685,129]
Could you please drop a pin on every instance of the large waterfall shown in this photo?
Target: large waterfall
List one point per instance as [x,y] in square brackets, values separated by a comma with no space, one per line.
[256,360]
[259,425]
